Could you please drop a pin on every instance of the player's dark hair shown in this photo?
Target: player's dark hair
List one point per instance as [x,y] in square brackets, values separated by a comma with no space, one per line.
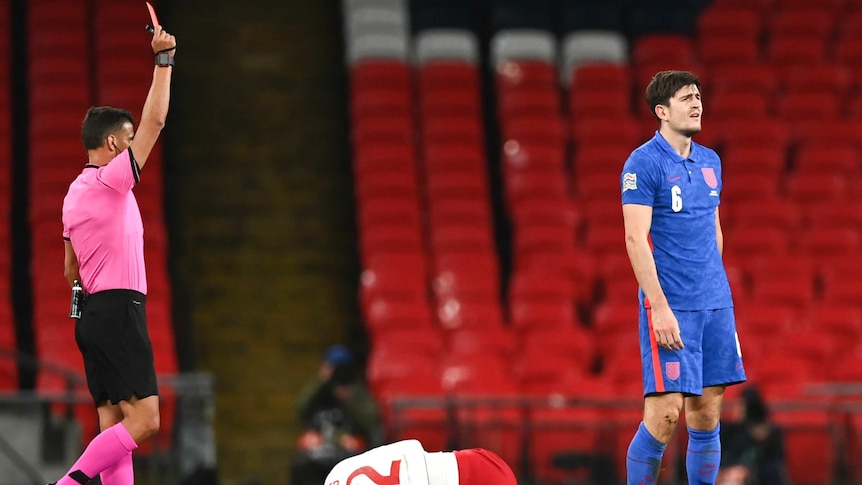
[665,84]
[100,122]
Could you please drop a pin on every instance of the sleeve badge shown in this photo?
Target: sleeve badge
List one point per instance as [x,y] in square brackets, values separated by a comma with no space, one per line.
[630,181]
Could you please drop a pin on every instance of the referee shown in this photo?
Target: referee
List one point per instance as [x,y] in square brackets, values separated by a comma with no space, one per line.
[104,250]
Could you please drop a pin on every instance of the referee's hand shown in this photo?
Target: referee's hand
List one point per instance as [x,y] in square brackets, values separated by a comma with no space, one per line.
[163,41]
[666,328]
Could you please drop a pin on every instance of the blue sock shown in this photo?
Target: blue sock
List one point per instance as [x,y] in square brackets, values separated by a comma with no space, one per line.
[643,460]
[703,456]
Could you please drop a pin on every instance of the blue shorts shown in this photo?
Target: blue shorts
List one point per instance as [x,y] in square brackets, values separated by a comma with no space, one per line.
[712,355]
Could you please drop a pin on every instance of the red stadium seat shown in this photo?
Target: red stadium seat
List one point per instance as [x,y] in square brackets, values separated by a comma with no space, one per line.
[532,102]
[549,211]
[473,282]
[427,341]
[746,242]
[792,50]
[528,314]
[463,185]
[396,184]
[459,211]
[534,129]
[540,285]
[765,131]
[605,159]
[491,340]
[740,22]
[526,186]
[727,105]
[519,155]
[742,160]
[383,129]
[829,241]
[809,105]
[449,102]
[452,157]
[575,342]
[840,282]
[452,129]
[385,158]
[750,187]
[462,238]
[460,76]
[380,74]
[609,103]
[455,314]
[812,158]
[385,315]
[719,51]
[520,73]
[780,214]
[393,284]
[662,47]
[753,78]
[391,211]
[543,239]
[810,22]
[828,78]
[600,77]
[596,131]
[816,187]
[370,102]
[538,372]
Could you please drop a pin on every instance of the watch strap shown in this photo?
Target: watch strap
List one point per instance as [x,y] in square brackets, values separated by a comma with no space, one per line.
[163,59]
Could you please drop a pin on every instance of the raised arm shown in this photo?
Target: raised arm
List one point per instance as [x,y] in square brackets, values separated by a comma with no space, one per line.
[638,220]
[155,109]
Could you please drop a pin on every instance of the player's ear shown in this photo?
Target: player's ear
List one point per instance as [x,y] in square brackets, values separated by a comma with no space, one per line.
[661,112]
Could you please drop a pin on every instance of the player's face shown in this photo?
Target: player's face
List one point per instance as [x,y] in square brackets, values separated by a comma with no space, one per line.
[122,139]
[685,111]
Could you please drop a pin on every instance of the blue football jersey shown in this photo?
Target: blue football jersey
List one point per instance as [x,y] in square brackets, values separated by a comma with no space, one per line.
[684,194]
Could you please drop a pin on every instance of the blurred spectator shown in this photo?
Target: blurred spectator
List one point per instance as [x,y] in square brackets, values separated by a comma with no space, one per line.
[752,445]
[339,418]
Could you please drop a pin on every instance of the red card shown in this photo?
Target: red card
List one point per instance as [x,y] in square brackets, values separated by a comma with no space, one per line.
[153,17]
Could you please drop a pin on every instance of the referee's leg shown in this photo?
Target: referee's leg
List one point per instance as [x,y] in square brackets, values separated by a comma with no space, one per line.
[111,450]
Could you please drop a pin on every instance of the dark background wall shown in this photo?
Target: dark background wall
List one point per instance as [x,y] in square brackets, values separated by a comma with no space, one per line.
[260,209]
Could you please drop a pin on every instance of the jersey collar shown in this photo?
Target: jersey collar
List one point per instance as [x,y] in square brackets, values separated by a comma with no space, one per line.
[693,156]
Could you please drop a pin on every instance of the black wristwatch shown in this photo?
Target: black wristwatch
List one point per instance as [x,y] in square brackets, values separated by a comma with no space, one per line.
[164,60]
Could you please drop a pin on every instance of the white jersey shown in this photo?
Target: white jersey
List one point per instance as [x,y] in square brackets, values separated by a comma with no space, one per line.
[399,463]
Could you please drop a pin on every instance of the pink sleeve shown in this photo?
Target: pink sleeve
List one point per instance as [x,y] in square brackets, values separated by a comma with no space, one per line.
[122,173]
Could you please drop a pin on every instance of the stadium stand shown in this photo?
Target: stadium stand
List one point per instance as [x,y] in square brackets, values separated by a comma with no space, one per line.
[8,367]
[565,82]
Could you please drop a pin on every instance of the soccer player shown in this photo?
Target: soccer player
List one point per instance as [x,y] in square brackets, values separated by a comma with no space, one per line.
[104,244]
[688,341]
[407,463]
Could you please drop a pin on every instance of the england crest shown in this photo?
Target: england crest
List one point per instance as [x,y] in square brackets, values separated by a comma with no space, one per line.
[709,177]
[671,369]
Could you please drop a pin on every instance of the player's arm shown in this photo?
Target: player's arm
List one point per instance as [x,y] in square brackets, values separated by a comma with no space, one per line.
[638,220]
[70,264]
[155,109]
[719,236]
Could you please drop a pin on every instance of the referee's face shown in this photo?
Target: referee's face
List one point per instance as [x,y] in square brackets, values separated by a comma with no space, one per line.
[685,111]
[122,138]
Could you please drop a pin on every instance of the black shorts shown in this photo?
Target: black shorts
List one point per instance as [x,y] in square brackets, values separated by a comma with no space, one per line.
[118,356]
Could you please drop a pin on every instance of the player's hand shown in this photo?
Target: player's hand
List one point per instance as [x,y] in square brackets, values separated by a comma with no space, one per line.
[666,328]
[162,41]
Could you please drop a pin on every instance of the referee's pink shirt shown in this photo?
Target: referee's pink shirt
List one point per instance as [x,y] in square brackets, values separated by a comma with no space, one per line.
[102,220]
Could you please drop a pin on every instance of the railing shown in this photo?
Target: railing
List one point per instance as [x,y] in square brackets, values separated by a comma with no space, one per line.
[42,435]
[559,439]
